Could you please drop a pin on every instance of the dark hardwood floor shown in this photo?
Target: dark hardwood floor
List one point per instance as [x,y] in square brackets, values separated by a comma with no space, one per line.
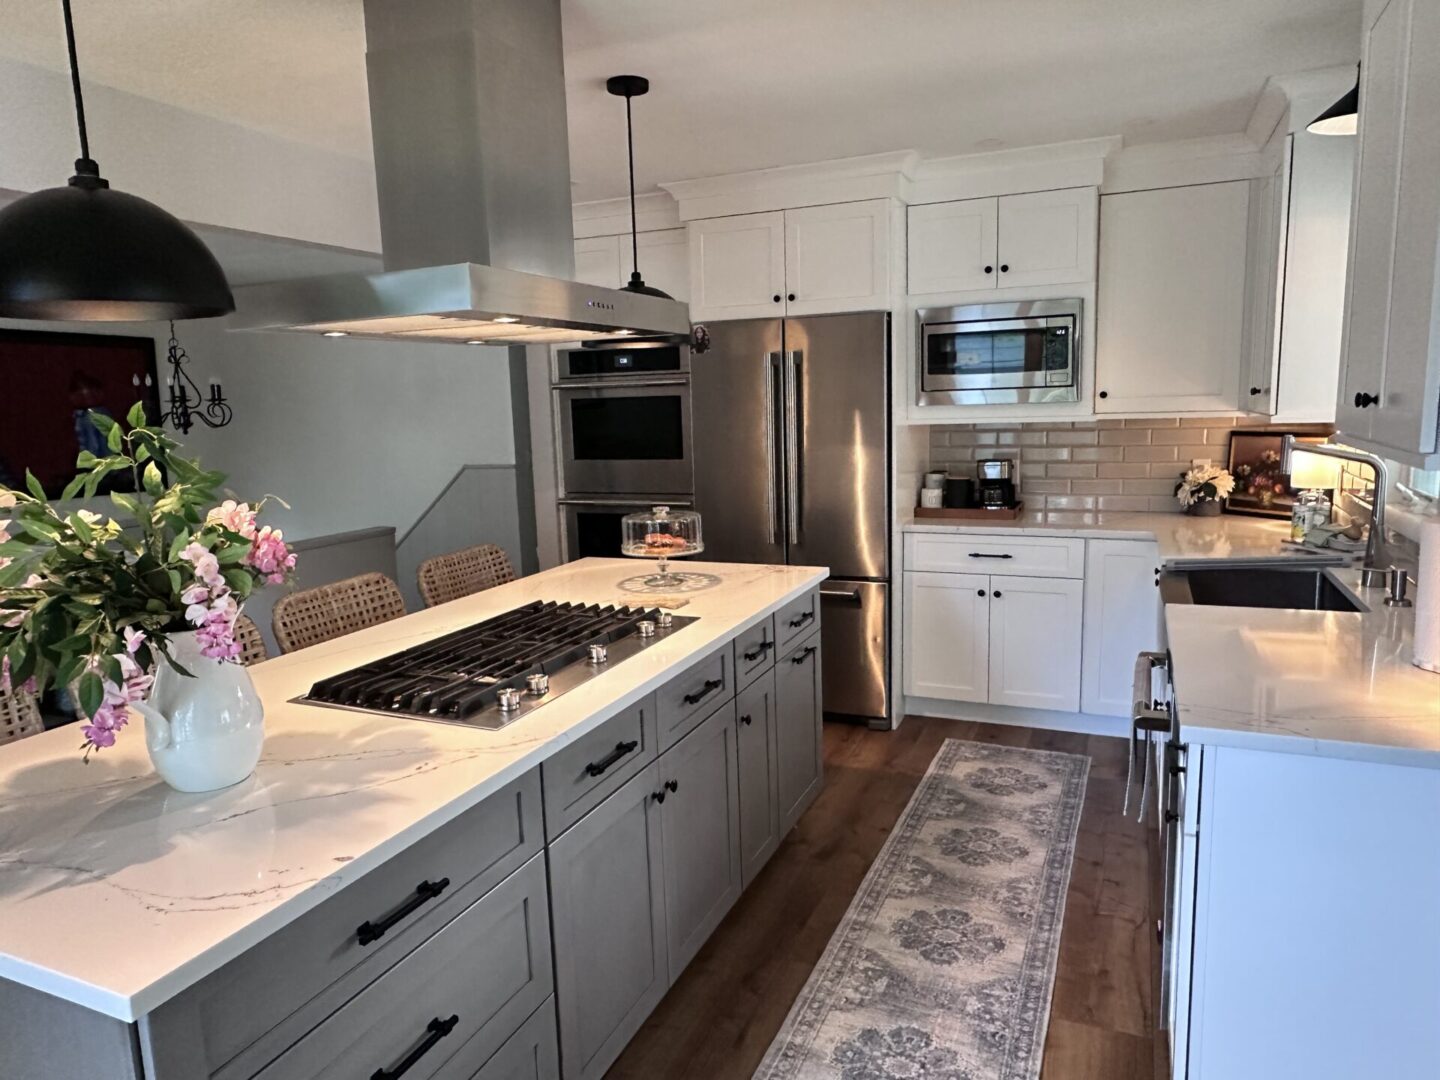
[719,1019]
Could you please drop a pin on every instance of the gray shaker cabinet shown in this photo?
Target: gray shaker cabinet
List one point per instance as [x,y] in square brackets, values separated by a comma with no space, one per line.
[607,896]
[700,827]
[755,740]
[798,728]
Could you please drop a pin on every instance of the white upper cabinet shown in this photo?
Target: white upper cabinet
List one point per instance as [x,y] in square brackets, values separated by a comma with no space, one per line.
[1269,204]
[837,258]
[1171,299]
[597,261]
[814,260]
[1045,238]
[1390,384]
[664,261]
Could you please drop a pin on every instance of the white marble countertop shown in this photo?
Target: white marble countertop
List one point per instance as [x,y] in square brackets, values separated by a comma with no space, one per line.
[1331,683]
[116,892]
[1181,538]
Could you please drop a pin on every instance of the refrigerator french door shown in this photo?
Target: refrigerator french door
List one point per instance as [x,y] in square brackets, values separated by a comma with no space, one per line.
[790,419]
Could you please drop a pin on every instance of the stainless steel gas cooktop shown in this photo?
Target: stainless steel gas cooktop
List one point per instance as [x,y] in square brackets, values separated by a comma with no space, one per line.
[491,674]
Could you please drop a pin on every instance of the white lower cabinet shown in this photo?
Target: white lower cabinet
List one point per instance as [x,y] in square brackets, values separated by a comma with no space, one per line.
[947,636]
[1035,642]
[1122,620]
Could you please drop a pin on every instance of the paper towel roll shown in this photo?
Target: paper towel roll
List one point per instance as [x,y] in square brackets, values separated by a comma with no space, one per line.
[1427,599]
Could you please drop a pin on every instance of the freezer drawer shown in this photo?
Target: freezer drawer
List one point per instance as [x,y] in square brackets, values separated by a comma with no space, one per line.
[854,628]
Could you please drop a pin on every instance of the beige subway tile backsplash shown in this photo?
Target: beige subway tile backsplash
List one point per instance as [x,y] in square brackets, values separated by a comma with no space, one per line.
[1085,465]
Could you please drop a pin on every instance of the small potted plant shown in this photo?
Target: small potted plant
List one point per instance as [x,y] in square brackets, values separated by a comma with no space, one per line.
[141,616]
[1200,490]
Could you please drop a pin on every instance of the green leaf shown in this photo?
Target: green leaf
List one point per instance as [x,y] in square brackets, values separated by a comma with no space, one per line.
[180,543]
[176,584]
[74,487]
[151,479]
[85,460]
[102,423]
[41,529]
[231,554]
[81,527]
[136,416]
[114,439]
[129,504]
[74,643]
[92,693]
[241,582]
[34,485]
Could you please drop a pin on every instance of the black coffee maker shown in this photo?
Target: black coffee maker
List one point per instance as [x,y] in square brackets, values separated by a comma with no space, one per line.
[995,485]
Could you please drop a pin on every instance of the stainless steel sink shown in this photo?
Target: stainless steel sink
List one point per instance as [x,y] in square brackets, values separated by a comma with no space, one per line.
[1295,588]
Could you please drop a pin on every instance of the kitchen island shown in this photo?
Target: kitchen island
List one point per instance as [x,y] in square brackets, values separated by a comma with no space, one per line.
[178,935]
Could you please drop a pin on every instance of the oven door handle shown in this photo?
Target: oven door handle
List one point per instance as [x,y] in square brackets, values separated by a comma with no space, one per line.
[667,500]
[1144,717]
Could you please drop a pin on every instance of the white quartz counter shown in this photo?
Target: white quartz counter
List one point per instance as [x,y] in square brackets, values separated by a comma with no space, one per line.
[116,892]
[1333,683]
[1182,538]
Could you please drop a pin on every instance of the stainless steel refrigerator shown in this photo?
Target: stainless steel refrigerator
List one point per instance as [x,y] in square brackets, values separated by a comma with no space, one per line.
[791,423]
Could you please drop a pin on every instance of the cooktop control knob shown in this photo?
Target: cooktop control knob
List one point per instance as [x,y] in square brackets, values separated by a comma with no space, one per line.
[599,653]
[665,620]
[539,684]
[509,699]
[645,628]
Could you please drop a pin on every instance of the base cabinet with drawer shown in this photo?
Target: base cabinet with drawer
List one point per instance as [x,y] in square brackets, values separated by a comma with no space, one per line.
[757,747]
[799,757]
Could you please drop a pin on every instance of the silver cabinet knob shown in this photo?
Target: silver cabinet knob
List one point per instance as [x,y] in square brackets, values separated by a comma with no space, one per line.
[509,699]
[645,628]
[599,653]
[665,620]
[539,683]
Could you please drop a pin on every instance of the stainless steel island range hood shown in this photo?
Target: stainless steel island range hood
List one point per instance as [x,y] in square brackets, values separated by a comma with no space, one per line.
[472,167]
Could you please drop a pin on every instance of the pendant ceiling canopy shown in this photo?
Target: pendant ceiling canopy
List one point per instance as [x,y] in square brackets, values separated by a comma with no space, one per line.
[86,252]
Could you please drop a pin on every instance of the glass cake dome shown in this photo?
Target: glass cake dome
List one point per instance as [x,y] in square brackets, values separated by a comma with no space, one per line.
[664,534]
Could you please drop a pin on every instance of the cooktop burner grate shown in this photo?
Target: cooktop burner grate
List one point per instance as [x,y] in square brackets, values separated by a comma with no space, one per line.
[485,675]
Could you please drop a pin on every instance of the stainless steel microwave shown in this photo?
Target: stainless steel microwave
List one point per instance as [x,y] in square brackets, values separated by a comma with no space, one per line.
[1000,354]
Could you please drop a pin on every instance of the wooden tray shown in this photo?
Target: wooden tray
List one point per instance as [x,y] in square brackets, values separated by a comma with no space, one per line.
[972,513]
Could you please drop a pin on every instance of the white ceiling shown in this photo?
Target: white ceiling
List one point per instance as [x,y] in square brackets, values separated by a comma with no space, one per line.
[745,84]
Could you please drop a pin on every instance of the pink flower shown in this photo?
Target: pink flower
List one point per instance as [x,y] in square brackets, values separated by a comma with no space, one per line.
[103,727]
[270,556]
[237,517]
[207,566]
[7,498]
[133,640]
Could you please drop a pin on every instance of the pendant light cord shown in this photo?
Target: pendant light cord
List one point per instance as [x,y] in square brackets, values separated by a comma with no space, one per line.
[75,83]
[630,145]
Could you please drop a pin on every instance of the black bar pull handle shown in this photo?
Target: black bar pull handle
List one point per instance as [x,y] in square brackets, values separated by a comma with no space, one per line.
[711,685]
[426,891]
[989,555]
[803,655]
[801,619]
[436,1030]
[759,650]
[597,768]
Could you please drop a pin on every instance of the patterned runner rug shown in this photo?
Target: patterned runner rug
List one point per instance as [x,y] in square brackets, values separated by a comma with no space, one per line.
[944,965]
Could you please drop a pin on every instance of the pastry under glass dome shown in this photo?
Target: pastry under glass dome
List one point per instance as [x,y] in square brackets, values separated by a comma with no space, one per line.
[664,534]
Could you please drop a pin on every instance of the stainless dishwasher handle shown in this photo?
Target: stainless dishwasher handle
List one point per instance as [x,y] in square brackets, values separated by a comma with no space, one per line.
[1144,716]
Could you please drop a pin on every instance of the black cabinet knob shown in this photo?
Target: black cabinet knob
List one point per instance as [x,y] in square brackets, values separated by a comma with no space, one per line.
[1255,391]
[776,298]
[747,719]
[996,594]
[1104,393]
[979,592]
[989,269]
[1004,268]
[791,296]
[1364,401]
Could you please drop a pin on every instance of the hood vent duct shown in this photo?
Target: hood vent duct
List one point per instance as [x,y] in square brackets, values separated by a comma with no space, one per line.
[472,170]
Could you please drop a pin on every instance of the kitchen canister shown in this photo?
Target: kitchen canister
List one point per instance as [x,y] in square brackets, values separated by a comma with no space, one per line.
[936,478]
[1427,598]
[932,498]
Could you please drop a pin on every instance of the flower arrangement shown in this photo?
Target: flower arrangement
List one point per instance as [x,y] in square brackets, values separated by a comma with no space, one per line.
[1202,484]
[85,600]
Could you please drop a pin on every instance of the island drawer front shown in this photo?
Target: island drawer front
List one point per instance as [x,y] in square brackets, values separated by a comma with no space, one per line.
[241,1017]
[532,1053]
[582,775]
[693,695]
[489,969]
[1020,556]
[755,652]
[797,618]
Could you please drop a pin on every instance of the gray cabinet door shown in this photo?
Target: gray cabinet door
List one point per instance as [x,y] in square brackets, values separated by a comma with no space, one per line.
[532,1053]
[700,823]
[798,728]
[607,897]
[759,779]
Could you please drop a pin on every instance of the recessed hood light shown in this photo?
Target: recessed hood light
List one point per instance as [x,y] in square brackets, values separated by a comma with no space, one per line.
[335,333]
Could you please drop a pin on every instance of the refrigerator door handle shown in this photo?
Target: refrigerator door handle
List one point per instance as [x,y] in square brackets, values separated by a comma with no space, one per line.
[849,595]
[772,497]
[794,449]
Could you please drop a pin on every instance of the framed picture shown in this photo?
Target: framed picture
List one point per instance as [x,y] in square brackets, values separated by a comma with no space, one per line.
[48,382]
[1262,487]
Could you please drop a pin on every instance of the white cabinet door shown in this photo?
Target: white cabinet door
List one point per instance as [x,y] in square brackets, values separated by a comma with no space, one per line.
[952,246]
[1047,238]
[837,258]
[597,261]
[1035,642]
[737,267]
[1171,299]
[947,635]
[1269,204]
[1122,620]
[664,261]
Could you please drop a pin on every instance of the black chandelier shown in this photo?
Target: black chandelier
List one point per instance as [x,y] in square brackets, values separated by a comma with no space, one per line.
[187,402]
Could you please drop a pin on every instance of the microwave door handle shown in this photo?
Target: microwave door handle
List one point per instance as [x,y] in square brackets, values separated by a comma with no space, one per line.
[794,450]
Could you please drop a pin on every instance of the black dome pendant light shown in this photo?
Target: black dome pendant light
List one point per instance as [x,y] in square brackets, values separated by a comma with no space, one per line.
[633,86]
[1343,117]
[88,253]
